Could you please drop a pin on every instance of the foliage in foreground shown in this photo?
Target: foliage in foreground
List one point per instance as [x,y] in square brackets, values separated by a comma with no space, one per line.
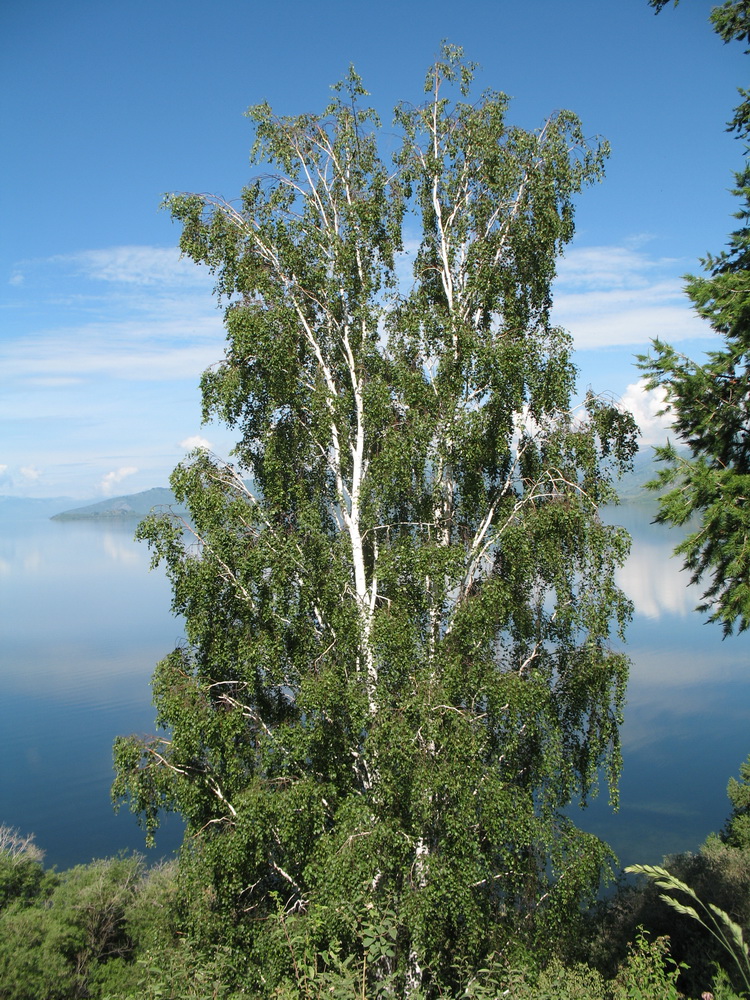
[715,882]
[109,931]
[712,918]
[67,935]
[112,930]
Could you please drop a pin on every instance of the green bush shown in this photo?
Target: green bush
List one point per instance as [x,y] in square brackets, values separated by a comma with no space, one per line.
[719,875]
[649,973]
[114,930]
[56,940]
[22,874]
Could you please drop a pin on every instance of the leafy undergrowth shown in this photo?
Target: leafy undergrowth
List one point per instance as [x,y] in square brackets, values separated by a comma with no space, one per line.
[114,929]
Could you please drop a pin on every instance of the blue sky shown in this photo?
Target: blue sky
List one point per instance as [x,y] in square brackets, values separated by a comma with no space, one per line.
[104,107]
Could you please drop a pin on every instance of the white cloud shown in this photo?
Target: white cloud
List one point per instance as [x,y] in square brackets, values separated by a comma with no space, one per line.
[102,358]
[147,349]
[195,441]
[599,324]
[54,381]
[645,404]
[16,279]
[139,265]
[30,473]
[111,479]
[613,267]
[134,313]
[618,295]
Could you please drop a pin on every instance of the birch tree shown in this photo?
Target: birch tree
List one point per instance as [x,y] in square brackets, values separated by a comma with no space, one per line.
[400,662]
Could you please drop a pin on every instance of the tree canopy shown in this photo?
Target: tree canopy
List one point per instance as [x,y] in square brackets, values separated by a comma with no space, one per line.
[709,402]
[399,598]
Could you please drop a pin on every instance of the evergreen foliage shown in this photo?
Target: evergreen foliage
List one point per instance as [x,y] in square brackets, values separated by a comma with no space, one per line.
[737,830]
[709,403]
[399,597]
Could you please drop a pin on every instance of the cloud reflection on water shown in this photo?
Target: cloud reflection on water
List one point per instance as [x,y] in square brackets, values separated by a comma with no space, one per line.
[121,549]
[655,582]
[652,577]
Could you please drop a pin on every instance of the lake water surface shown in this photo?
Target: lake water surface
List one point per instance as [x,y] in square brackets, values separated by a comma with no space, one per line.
[82,625]
[83,622]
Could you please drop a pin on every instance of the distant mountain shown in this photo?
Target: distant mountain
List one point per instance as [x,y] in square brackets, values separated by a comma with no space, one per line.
[131,507]
[31,508]
[134,506]
[632,487]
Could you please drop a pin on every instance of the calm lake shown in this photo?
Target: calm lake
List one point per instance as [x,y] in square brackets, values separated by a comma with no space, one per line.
[83,622]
